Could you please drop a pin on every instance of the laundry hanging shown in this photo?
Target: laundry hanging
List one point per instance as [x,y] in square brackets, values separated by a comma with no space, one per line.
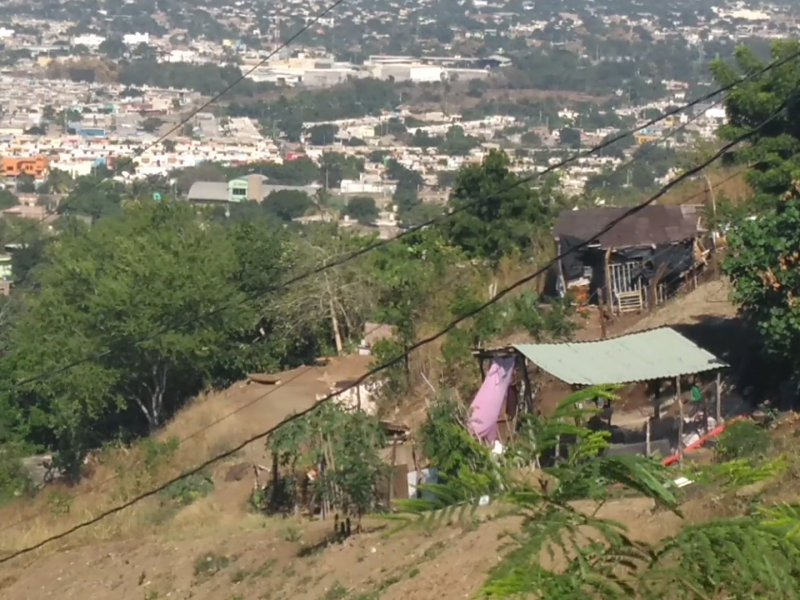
[486,407]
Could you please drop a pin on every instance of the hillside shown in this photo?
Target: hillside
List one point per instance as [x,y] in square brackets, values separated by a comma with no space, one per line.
[217,548]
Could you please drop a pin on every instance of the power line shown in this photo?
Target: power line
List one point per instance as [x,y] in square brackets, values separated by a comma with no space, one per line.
[401,357]
[138,152]
[594,150]
[222,418]
[380,243]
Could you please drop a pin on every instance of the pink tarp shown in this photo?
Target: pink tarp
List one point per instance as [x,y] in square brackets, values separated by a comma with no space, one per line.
[488,402]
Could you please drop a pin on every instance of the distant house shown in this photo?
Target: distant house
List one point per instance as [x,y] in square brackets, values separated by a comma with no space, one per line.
[641,260]
[250,187]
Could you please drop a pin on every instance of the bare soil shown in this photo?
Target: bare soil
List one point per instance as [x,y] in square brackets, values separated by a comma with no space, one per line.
[216,549]
[268,561]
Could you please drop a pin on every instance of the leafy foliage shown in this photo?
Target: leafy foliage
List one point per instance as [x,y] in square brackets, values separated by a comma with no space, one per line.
[742,439]
[463,464]
[188,490]
[560,551]
[510,222]
[763,251]
[342,446]
[101,291]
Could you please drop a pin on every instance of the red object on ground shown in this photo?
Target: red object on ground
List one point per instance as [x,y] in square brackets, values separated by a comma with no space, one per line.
[713,433]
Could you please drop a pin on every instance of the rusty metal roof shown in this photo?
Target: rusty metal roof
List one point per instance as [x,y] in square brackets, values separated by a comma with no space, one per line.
[661,353]
[652,225]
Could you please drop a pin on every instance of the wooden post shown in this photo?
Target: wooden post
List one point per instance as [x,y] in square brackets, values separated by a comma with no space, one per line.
[601,311]
[718,394]
[608,286]
[647,438]
[680,423]
[481,367]
[527,389]
[561,266]
[416,470]
[391,477]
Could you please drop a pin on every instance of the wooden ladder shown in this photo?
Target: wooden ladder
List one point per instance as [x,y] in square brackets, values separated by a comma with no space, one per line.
[630,301]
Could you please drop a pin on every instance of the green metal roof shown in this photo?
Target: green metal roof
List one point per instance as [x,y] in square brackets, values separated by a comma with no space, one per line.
[655,354]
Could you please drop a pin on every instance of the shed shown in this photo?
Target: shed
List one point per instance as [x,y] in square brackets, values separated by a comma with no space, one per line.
[646,356]
[642,258]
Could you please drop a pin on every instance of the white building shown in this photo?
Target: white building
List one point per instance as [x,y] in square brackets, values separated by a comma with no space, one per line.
[426,73]
[90,40]
[134,39]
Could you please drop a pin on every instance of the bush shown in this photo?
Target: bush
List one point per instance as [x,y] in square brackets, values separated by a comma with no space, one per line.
[462,462]
[189,489]
[14,479]
[742,439]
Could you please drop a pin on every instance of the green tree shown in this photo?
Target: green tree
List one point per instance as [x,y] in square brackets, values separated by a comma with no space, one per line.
[26,184]
[457,143]
[113,47]
[94,197]
[57,182]
[510,221]
[101,290]
[763,252]
[344,446]
[363,209]
[322,135]
[7,199]
[287,204]
[335,166]
[152,124]
[531,138]
[570,137]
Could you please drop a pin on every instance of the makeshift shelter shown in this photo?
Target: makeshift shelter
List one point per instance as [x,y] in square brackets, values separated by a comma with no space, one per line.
[638,262]
[652,355]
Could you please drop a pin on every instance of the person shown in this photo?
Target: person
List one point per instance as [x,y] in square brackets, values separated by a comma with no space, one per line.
[698,400]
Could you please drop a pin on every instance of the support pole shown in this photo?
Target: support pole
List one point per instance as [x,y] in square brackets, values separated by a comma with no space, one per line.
[680,423]
[718,394]
[609,285]
[601,313]
[528,393]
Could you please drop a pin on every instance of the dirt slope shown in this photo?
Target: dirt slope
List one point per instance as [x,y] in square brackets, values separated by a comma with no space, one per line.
[221,561]
[216,550]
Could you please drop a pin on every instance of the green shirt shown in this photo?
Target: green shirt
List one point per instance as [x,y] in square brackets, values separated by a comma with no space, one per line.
[697,395]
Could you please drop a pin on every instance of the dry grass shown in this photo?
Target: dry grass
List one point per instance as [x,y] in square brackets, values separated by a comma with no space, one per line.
[214,423]
[729,183]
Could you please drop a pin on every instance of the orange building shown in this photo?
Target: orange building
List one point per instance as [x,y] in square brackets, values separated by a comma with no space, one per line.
[14,166]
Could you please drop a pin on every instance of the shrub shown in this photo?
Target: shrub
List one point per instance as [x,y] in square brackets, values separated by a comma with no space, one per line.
[189,489]
[742,439]
[15,481]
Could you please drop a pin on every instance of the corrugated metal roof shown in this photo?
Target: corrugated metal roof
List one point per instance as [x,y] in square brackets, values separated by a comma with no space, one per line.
[651,225]
[655,354]
[208,191]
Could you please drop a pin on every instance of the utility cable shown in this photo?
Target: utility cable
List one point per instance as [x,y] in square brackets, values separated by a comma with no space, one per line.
[163,137]
[380,243]
[401,357]
[706,97]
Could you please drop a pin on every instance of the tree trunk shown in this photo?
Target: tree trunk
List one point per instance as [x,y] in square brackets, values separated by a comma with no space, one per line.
[153,407]
[337,335]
